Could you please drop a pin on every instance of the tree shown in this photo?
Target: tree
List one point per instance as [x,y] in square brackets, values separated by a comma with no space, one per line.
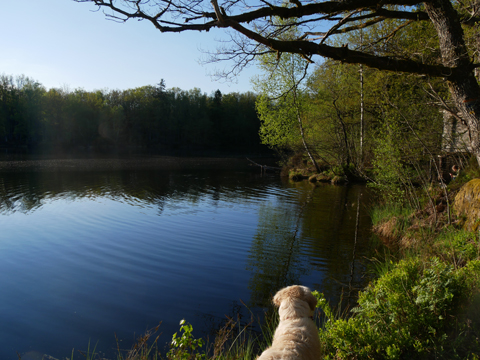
[281,105]
[254,21]
[335,112]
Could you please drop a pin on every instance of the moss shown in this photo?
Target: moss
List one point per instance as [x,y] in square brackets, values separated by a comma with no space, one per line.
[296,175]
[467,204]
[338,180]
[324,178]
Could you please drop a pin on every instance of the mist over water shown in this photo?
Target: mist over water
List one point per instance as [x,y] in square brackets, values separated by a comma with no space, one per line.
[94,248]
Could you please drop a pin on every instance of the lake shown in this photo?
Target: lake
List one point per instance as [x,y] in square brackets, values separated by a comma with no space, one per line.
[90,248]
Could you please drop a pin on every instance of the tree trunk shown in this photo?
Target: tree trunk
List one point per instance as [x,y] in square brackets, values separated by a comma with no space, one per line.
[307,149]
[362,124]
[362,110]
[302,133]
[461,81]
[344,130]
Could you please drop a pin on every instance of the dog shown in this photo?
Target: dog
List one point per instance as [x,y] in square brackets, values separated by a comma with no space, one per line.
[296,336]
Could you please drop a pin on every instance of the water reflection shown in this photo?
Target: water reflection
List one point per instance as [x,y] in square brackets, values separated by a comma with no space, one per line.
[27,191]
[312,234]
[275,259]
[88,253]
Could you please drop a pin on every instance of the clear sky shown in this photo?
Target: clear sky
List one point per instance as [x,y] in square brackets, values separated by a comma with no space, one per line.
[63,43]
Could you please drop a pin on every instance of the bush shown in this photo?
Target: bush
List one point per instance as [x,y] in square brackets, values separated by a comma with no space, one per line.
[458,246]
[403,314]
[186,347]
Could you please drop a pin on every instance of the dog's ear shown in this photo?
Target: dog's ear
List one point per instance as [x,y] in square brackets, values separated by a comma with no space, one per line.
[311,300]
[278,298]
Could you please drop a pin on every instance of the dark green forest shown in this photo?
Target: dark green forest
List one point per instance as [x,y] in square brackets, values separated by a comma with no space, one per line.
[148,118]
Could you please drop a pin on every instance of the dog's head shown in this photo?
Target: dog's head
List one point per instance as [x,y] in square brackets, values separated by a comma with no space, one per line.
[294,302]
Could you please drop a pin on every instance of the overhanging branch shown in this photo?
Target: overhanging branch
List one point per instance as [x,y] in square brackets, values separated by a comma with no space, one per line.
[198,17]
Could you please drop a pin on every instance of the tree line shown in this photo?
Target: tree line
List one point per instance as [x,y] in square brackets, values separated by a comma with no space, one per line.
[151,118]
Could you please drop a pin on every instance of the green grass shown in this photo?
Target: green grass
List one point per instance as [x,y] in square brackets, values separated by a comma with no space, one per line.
[381,213]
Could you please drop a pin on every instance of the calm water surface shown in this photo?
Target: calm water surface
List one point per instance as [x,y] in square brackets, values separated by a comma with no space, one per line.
[91,249]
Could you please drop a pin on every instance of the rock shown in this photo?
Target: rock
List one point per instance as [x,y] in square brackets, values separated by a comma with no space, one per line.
[467,204]
[313,179]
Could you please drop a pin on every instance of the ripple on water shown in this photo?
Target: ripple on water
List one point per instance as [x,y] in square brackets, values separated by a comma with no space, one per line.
[86,256]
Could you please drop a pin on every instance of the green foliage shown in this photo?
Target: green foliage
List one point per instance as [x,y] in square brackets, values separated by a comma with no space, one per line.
[322,303]
[470,276]
[278,125]
[401,133]
[390,172]
[388,211]
[406,313]
[334,113]
[185,346]
[458,246]
[281,100]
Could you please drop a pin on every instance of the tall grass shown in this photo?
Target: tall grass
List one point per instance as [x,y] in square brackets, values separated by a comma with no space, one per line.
[235,340]
[145,348]
[385,212]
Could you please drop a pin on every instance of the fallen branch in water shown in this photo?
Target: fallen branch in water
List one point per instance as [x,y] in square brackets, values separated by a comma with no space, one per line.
[265,167]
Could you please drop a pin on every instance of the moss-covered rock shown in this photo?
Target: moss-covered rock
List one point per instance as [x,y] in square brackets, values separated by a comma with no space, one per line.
[338,180]
[296,175]
[467,204]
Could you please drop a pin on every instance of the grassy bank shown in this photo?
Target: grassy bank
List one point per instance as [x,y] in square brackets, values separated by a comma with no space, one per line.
[425,303]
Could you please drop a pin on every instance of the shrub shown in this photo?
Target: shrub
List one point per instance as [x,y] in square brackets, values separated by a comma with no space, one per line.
[403,314]
[185,346]
[458,246]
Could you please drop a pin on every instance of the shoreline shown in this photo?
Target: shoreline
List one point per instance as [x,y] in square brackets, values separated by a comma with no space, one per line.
[124,163]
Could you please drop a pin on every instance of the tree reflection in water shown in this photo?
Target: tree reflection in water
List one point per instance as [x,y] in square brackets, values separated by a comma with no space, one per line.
[311,240]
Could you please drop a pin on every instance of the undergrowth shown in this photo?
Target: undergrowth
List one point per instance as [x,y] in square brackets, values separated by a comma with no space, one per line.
[425,301]
[413,311]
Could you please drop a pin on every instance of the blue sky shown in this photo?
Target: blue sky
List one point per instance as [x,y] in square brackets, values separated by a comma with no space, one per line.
[63,43]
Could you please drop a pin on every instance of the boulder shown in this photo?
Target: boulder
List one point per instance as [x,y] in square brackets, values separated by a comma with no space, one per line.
[467,204]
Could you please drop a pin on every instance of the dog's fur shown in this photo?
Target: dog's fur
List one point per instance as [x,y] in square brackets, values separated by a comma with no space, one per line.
[296,337]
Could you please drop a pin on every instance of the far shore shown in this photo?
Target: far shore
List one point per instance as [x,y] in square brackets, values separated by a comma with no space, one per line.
[143,162]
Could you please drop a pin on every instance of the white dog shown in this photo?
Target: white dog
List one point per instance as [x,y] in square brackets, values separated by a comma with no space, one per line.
[296,337]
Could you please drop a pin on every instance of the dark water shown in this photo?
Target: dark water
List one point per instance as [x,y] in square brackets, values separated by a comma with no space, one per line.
[87,253]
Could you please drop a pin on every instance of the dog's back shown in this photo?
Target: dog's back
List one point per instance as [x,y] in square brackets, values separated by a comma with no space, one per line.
[296,337]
